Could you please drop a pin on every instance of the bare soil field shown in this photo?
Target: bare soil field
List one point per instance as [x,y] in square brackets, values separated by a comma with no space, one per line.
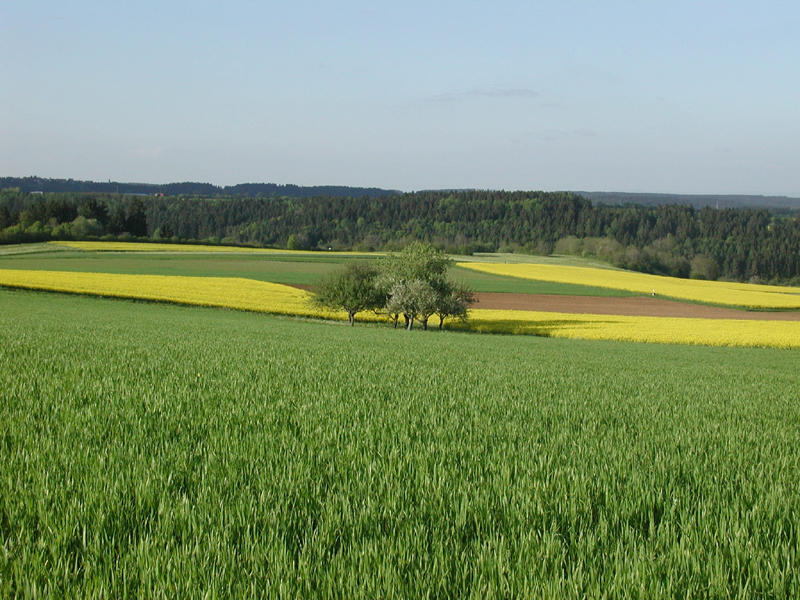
[634,306]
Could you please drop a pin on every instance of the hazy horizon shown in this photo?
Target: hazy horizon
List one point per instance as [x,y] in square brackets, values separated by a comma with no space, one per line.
[619,97]
[355,185]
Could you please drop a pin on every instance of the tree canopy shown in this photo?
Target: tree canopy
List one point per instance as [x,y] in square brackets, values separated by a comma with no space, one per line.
[352,290]
[412,283]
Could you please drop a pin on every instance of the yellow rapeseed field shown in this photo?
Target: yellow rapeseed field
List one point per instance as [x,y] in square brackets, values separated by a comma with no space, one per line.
[155,247]
[710,332]
[227,292]
[715,292]
[248,294]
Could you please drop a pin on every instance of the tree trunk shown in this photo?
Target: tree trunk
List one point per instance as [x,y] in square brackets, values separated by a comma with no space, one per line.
[441,322]
[410,321]
[395,318]
[424,322]
[352,316]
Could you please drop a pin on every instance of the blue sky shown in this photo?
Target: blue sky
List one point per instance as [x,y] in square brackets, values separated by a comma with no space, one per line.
[693,97]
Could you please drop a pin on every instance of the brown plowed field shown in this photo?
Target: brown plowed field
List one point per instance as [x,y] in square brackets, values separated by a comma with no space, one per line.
[631,305]
[636,306]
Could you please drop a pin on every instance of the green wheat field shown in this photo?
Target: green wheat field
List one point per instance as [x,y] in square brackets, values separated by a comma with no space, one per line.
[150,450]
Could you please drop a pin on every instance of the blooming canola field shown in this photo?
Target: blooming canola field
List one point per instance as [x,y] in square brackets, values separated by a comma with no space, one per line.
[225,292]
[260,296]
[663,330]
[713,292]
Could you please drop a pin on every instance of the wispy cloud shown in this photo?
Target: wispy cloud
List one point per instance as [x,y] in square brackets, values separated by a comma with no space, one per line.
[555,134]
[493,92]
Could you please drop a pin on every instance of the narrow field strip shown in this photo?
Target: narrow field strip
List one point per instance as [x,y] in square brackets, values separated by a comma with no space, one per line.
[632,306]
[224,292]
[661,330]
[194,248]
[260,296]
[747,295]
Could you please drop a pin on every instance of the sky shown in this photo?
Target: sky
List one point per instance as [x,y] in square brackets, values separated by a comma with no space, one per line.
[635,96]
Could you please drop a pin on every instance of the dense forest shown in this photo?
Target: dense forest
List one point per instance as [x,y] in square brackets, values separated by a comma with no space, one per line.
[737,244]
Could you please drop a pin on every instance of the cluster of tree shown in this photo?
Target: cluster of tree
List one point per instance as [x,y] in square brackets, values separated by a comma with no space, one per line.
[187,188]
[736,244]
[412,283]
[33,218]
[663,256]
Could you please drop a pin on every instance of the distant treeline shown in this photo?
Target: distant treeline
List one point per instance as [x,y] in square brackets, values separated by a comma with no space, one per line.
[738,244]
[775,204]
[187,188]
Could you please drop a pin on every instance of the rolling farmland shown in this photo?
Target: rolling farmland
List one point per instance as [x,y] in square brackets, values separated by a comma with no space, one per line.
[326,322]
[278,266]
[260,296]
[150,449]
[261,282]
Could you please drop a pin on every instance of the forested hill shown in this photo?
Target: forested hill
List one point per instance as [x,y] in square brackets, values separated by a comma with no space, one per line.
[188,188]
[741,244]
[772,203]
[781,204]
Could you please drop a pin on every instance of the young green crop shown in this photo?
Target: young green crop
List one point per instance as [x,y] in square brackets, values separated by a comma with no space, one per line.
[153,450]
